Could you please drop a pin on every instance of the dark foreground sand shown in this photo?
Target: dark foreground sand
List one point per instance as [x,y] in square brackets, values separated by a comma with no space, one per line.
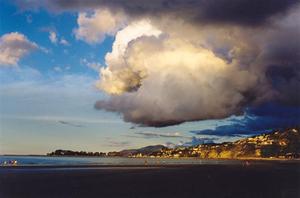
[270,180]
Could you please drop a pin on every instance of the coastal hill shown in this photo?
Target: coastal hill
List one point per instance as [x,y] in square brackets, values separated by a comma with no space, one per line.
[277,144]
[142,151]
[148,150]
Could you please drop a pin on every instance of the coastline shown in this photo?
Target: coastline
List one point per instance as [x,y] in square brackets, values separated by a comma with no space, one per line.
[225,162]
[150,157]
[114,162]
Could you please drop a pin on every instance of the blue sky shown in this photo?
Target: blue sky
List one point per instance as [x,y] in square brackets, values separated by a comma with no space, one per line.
[72,71]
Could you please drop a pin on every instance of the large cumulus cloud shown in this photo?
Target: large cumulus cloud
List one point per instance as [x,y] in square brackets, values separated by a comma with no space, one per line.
[166,79]
[189,72]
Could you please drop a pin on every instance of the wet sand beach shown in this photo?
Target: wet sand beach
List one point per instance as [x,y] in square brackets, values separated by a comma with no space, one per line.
[257,180]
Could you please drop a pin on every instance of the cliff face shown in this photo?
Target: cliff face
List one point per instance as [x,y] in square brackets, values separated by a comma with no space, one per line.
[278,144]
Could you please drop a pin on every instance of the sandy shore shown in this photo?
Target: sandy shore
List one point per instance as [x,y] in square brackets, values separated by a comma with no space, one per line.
[274,180]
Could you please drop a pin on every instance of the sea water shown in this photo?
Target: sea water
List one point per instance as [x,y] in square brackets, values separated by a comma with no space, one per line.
[109,161]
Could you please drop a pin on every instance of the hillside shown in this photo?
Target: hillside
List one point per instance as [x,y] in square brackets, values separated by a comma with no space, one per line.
[278,144]
[142,151]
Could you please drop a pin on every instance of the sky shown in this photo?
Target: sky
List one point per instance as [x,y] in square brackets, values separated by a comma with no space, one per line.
[112,75]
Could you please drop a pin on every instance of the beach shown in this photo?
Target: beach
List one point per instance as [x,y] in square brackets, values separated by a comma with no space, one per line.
[256,180]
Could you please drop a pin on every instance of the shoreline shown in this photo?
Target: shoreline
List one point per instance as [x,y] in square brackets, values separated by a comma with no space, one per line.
[148,157]
[145,166]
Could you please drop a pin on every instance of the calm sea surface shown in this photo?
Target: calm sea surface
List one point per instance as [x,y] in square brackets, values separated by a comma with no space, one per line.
[55,161]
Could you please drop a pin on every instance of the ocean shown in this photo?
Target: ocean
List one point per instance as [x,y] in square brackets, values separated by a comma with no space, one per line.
[109,161]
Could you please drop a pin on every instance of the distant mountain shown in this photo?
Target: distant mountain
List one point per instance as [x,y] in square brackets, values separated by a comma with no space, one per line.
[278,144]
[142,151]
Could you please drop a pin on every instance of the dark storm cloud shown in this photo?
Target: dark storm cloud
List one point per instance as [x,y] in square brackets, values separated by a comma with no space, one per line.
[283,54]
[258,120]
[283,46]
[285,80]
[245,12]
